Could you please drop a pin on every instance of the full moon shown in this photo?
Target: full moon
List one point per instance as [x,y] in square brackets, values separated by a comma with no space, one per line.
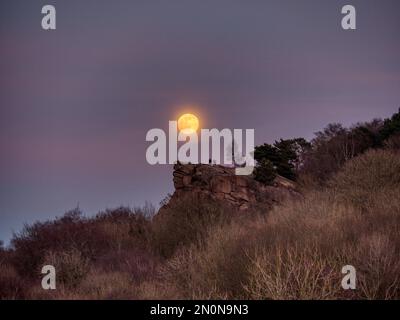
[188,123]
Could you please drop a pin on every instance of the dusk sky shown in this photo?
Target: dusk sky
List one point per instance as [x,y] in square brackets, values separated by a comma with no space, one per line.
[76,103]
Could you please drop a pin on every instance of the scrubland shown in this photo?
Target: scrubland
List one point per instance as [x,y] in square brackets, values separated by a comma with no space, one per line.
[202,250]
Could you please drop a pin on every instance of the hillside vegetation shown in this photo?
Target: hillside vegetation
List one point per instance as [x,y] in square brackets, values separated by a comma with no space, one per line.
[350,215]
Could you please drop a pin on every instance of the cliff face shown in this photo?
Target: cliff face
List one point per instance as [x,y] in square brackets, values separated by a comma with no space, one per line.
[221,184]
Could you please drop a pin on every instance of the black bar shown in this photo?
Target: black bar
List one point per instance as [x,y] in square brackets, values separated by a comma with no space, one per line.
[231,309]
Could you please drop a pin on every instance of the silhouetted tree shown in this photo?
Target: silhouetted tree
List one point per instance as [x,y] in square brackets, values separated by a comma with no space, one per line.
[265,172]
[391,126]
[335,145]
[286,156]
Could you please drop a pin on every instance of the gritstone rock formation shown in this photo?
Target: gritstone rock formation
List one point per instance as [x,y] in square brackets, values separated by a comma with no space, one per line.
[221,184]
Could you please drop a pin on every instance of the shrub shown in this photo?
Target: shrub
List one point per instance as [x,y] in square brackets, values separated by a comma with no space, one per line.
[111,230]
[303,246]
[70,232]
[335,145]
[264,172]
[296,252]
[139,263]
[393,142]
[11,285]
[186,222]
[391,126]
[214,269]
[124,227]
[71,267]
[106,285]
[368,176]
[97,285]
[292,273]
[201,250]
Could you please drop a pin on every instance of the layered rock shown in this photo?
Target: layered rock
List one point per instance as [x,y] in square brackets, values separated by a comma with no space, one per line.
[221,184]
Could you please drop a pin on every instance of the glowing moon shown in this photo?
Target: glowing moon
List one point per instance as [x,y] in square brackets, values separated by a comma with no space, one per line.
[188,123]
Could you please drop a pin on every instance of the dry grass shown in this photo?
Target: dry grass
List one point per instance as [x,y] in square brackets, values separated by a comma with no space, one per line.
[72,267]
[213,269]
[199,251]
[185,223]
[97,285]
[12,287]
[299,249]
[371,175]
[292,273]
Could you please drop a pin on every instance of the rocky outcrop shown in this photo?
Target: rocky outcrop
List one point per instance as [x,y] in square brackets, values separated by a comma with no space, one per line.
[221,184]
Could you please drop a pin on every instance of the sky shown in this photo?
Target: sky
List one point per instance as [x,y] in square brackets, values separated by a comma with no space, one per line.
[76,102]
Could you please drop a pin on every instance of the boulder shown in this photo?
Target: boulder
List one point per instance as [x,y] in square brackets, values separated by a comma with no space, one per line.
[220,183]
